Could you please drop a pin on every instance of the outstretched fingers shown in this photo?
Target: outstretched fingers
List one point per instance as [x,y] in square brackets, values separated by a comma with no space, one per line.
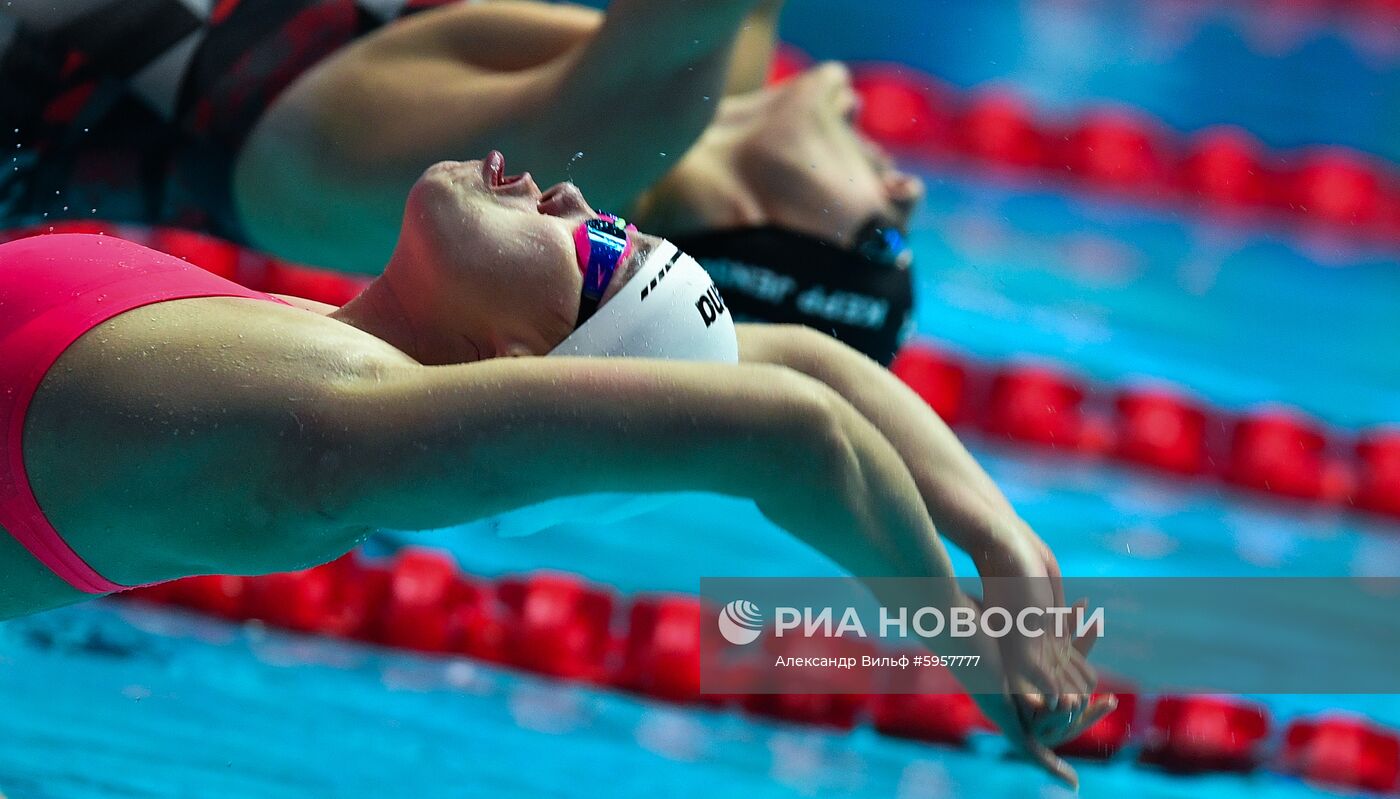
[1100,707]
[1040,753]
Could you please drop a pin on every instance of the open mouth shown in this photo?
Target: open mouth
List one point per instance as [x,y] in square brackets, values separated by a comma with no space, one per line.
[494,168]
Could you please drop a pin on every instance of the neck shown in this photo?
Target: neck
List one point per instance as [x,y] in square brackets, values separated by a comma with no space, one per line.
[384,310]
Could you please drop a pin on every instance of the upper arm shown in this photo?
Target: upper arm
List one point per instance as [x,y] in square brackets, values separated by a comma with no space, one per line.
[171,439]
[318,308]
[229,435]
[435,446]
[448,78]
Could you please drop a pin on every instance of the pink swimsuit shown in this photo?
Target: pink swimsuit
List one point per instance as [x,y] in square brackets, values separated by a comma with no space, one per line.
[53,289]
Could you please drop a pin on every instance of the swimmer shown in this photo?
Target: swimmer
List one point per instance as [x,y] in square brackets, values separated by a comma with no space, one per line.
[301,129]
[157,421]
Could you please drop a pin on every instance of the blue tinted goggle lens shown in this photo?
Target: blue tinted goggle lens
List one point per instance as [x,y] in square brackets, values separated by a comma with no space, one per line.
[607,245]
[882,243]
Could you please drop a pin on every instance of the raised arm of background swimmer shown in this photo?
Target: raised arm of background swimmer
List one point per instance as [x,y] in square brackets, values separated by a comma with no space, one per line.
[631,91]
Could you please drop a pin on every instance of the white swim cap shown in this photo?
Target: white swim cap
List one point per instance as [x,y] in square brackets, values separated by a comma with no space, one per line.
[669,309]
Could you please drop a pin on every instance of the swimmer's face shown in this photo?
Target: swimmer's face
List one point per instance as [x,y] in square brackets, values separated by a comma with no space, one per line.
[496,252]
[792,157]
[814,171]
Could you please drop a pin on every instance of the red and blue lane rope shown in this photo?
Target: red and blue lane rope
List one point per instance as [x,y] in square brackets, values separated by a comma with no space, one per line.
[1223,171]
[561,627]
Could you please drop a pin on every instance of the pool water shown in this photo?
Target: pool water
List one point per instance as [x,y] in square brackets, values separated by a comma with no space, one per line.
[1238,310]
[1288,72]
[112,700]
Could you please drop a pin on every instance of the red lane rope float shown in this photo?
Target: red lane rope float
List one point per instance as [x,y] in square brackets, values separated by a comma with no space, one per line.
[1342,752]
[1206,733]
[1112,734]
[562,627]
[934,710]
[1383,8]
[1271,449]
[1379,455]
[1122,151]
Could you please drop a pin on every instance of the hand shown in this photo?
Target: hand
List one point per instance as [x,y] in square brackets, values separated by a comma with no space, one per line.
[1034,729]
[1018,571]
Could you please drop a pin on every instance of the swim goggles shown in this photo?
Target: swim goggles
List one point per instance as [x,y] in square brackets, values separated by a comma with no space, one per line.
[883,243]
[600,244]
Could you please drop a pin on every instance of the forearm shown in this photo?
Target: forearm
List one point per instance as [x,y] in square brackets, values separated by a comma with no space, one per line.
[753,52]
[965,503]
[663,65]
[667,34]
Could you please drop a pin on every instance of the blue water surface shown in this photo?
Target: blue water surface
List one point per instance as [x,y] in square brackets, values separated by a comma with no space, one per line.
[1239,311]
[1291,77]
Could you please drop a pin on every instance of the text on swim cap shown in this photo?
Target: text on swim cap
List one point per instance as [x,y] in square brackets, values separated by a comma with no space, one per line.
[852,308]
[845,307]
[755,281]
[710,305]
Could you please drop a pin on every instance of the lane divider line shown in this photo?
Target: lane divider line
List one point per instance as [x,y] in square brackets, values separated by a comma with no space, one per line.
[562,627]
[1272,449]
[1222,171]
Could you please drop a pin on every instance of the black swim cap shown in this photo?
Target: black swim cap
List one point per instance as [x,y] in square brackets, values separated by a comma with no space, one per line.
[862,296]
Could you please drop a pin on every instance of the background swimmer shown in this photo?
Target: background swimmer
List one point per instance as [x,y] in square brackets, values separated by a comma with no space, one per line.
[300,126]
[398,411]
[631,105]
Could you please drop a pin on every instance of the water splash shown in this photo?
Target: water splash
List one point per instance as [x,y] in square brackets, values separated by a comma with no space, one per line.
[569,167]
